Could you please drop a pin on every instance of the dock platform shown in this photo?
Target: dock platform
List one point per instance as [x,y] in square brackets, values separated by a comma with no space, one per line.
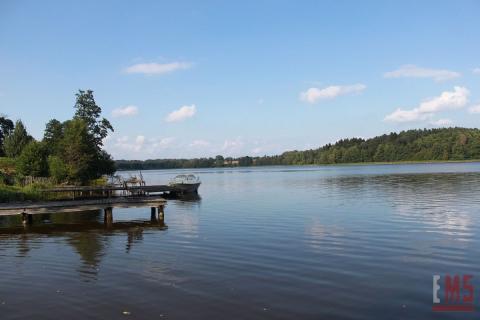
[83,198]
[42,207]
[28,209]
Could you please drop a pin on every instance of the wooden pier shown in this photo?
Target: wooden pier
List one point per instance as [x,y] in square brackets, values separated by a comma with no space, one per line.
[27,210]
[75,192]
[83,198]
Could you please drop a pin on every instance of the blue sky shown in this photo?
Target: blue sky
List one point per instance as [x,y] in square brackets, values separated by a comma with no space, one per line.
[200,78]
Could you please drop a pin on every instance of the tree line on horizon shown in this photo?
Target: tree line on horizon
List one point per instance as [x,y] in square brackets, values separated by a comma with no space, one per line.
[441,144]
[70,151]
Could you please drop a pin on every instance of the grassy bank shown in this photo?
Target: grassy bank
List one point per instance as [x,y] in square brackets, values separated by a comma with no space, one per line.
[16,193]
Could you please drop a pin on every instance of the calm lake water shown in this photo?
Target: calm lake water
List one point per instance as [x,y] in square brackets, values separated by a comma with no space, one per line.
[358,242]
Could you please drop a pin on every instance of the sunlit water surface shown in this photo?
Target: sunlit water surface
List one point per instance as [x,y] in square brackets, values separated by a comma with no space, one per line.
[358,242]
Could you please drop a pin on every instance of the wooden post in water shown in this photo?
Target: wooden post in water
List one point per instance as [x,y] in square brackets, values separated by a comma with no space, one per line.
[27,218]
[153,214]
[108,216]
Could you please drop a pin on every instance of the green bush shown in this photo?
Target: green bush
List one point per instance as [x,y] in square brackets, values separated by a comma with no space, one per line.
[33,160]
[7,164]
[58,169]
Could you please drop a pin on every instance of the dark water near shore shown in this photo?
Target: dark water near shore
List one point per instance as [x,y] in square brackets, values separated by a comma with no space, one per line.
[356,242]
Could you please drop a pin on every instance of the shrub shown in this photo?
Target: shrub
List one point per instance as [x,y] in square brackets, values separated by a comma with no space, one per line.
[33,160]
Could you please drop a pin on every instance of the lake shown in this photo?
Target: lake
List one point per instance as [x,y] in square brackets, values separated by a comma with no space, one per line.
[357,242]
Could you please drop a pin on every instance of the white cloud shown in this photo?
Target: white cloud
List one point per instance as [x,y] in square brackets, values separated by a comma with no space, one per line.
[442,123]
[140,140]
[126,111]
[139,144]
[144,147]
[474,109]
[476,71]
[159,143]
[413,71]
[448,100]
[199,143]
[181,114]
[157,68]
[313,95]
[401,115]
[257,150]
[125,143]
[233,146]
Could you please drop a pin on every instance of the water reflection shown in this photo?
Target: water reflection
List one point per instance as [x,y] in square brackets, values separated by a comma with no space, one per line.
[85,232]
[336,242]
[440,200]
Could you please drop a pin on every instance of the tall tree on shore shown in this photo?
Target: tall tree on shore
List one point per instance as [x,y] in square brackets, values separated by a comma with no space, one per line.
[78,151]
[6,127]
[78,158]
[52,135]
[14,143]
[88,110]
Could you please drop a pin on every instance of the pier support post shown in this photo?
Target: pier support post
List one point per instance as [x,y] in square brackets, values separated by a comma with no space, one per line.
[27,218]
[161,213]
[153,214]
[108,216]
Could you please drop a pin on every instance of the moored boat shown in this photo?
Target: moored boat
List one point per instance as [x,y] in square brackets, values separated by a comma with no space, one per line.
[186,183]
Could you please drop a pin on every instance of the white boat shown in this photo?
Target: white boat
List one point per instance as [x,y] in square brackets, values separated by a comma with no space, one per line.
[186,183]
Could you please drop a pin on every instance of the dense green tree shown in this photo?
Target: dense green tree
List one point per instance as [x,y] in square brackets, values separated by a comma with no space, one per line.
[219,161]
[53,135]
[245,161]
[57,168]
[78,151]
[80,160]
[6,127]
[87,109]
[33,160]
[14,142]
[103,164]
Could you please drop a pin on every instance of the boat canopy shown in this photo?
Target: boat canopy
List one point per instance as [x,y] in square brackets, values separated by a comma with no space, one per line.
[185,179]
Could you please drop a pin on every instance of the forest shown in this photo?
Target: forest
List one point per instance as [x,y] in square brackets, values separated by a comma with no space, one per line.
[442,144]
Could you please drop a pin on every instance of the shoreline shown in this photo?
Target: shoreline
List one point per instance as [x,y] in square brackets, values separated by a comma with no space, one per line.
[321,165]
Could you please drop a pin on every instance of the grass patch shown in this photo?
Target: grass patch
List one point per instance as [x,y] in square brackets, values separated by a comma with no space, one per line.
[15,193]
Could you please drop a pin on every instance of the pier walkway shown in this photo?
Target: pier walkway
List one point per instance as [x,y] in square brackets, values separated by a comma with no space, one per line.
[77,199]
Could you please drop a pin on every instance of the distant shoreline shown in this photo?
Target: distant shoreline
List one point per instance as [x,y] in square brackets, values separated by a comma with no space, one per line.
[319,165]
[444,145]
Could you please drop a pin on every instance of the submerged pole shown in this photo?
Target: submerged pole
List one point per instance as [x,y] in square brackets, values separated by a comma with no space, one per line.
[153,214]
[108,216]
[27,218]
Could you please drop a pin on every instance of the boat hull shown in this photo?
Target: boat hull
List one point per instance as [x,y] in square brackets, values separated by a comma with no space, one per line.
[186,187]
